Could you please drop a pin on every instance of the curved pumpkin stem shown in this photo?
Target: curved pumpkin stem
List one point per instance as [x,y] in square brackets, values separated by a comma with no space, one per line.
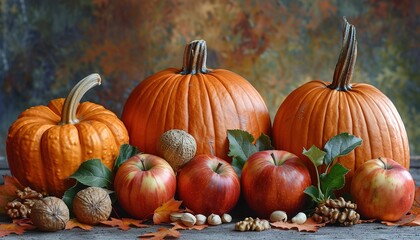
[345,64]
[195,57]
[68,113]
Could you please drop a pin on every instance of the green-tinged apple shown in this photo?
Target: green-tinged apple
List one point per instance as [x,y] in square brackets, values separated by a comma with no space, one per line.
[275,180]
[208,184]
[382,189]
[143,183]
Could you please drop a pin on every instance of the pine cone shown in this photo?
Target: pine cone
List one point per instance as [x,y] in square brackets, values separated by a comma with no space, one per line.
[336,211]
[21,206]
[250,224]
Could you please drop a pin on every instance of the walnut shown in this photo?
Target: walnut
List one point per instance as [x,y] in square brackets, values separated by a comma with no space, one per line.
[50,214]
[21,206]
[92,205]
[250,224]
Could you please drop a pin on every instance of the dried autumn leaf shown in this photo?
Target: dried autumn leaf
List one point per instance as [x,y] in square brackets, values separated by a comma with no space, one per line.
[161,234]
[73,223]
[125,223]
[24,222]
[8,190]
[162,213]
[181,226]
[17,227]
[309,226]
[402,222]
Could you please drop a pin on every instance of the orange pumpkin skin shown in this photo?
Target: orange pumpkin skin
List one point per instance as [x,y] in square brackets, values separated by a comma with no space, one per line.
[43,152]
[317,111]
[204,103]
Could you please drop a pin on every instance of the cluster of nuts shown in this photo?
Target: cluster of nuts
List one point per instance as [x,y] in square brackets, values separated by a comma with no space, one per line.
[281,216]
[21,206]
[190,220]
[337,211]
[251,224]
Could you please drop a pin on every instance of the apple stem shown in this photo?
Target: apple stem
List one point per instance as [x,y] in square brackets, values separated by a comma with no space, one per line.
[218,166]
[274,158]
[142,163]
[383,162]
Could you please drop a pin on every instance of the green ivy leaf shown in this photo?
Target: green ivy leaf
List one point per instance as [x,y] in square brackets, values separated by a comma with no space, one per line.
[333,180]
[315,154]
[126,151]
[340,145]
[312,192]
[263,143]
[241,147]
[70,193]
[94,173]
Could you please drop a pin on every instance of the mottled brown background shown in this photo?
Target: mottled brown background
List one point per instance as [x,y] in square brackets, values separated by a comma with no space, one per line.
[47,46]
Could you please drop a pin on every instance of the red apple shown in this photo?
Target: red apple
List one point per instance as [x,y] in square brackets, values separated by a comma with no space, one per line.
[143,183]
[382,189]
[274,180]
[208,184]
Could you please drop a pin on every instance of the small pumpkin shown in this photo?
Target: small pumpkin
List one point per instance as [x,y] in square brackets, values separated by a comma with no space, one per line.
[204,102]
[46,144]
[318,110]
[177,147]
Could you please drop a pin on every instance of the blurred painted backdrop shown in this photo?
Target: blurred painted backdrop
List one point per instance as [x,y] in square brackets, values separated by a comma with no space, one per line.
[46,46]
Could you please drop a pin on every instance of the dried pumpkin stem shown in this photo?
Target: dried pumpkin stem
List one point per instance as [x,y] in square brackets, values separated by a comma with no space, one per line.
[345,65]
[68,113]
[195,57]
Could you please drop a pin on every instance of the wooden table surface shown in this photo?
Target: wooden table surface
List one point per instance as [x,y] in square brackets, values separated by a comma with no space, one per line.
[225,231]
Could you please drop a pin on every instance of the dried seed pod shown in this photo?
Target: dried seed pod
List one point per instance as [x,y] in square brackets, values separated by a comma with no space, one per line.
[278,216]
[300,218]
[177,147]
[92,205]
[337,211]
[226,218]
[201,219]
[175,216]
[188,219]
[214,219]
[50,214]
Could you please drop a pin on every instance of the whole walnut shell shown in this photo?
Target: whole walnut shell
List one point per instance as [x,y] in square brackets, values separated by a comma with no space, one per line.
[50,214]
[177,147]
[92,205]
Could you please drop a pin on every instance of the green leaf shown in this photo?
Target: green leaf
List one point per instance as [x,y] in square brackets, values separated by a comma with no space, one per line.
[94,173]
[240,147]
[315,154]
[340,145]
[126,151]
[333,180]
[313,192]
[70,193]
[263,143]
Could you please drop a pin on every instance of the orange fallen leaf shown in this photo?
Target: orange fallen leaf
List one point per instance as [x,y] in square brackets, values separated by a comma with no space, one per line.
[309,226]
[17,227]
[181,226]
[162,213]
[402,222]
[8,190]
[161,233]
[125,223]
[73,223]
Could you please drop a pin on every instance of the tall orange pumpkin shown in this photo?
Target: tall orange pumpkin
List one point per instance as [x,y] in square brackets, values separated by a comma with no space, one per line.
[318,110]
[47,144]
[203,102]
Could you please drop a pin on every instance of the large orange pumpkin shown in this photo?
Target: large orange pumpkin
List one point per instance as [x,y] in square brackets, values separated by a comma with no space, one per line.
[46,144]
[318,110]
[203,102]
